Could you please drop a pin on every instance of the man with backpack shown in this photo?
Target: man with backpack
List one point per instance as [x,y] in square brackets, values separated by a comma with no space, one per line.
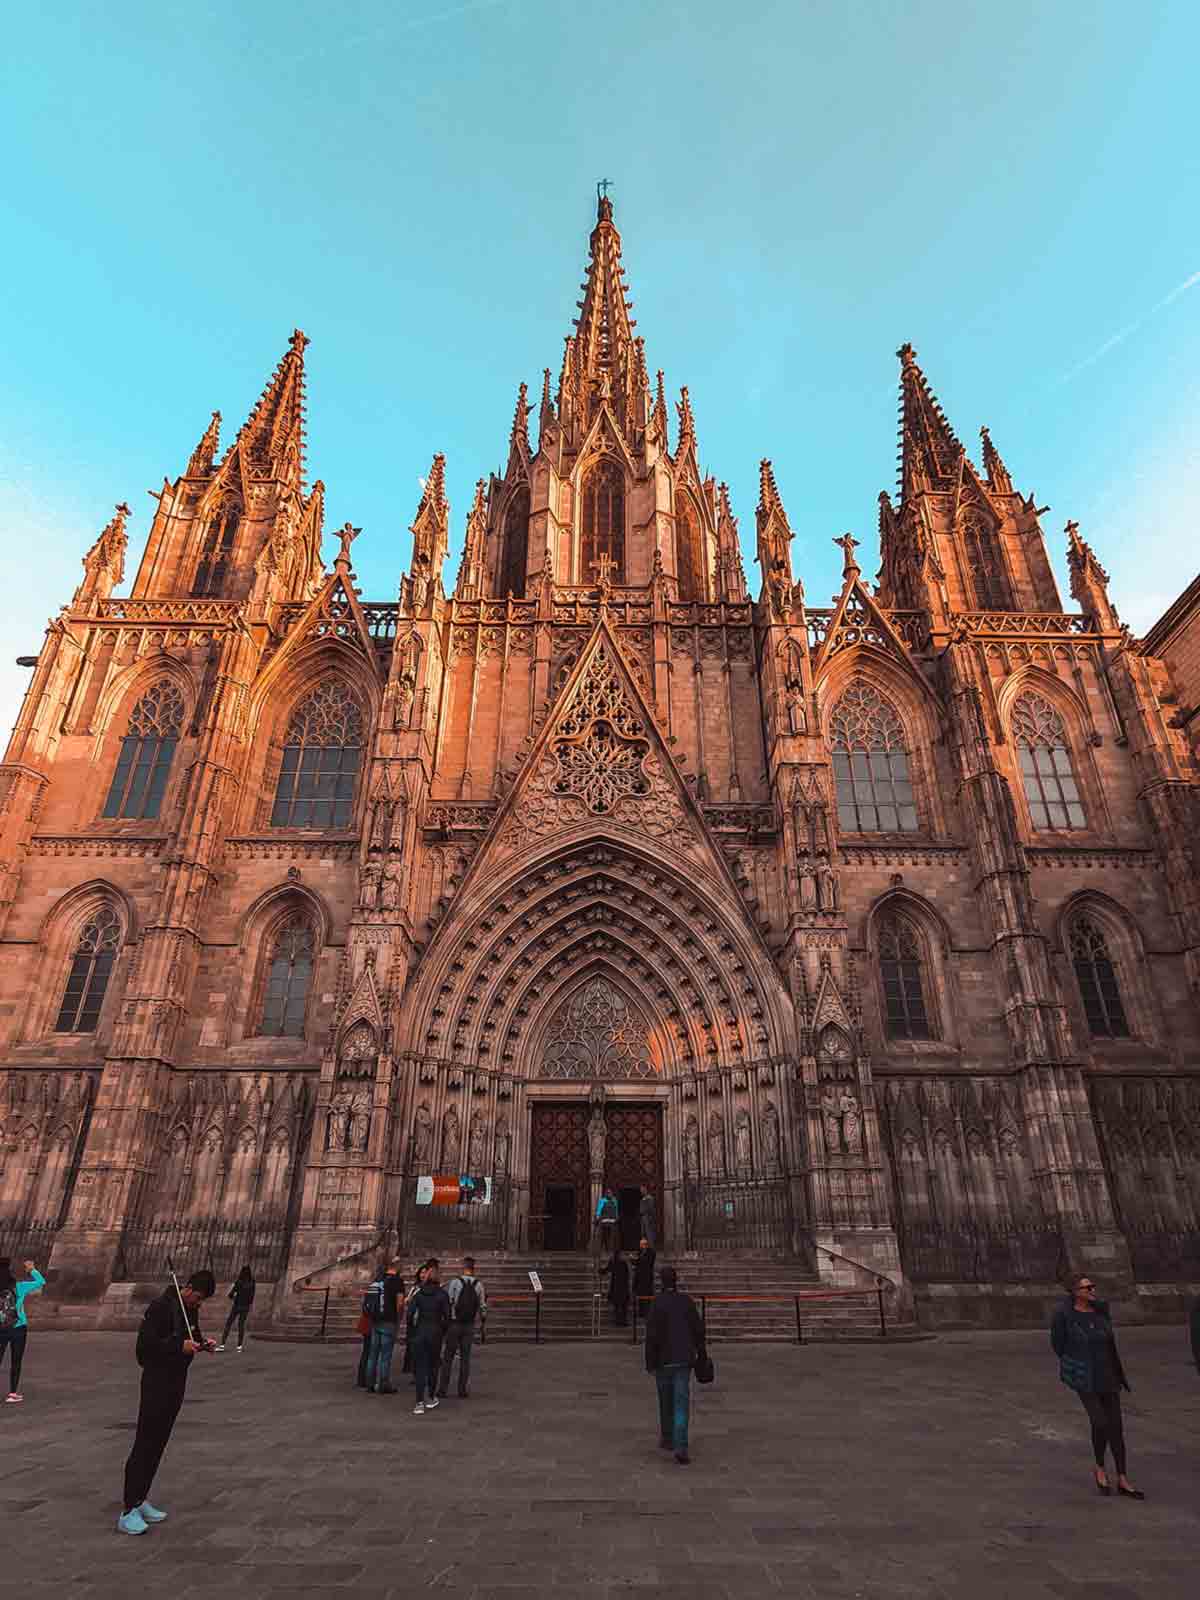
[468,1308]
[380,1306]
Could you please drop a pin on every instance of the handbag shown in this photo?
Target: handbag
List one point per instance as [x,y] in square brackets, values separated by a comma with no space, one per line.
[364,1325]
[705,1371]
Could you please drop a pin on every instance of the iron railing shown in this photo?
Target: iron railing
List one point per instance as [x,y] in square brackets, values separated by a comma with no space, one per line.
[24,1240]
[1164,1255]
[936,1252]
[223,1247]
[740,1214]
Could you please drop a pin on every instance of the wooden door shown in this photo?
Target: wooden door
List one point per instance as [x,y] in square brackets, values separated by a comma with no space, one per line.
[558,1156]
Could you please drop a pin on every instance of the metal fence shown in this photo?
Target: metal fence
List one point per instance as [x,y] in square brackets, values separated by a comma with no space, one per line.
[22,1240]
[453,1229]
[222,1247]
[1164,1255]
[737,1214]
[935,1252]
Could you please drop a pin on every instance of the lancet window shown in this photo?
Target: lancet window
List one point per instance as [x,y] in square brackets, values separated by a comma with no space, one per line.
[146,753]
[321,756]
[1046,770]
[91,968]
[603,523]
[216,553]
[983,562]
[1096,975]
[516,547]
[288,979]
[870,764]
[688,566]
[906,1015]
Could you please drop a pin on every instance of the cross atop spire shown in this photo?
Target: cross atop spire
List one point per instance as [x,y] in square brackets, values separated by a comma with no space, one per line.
[929,451]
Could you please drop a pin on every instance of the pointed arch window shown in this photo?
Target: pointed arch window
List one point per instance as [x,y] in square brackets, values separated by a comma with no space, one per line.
[516,546]
[689,568]
[147,750]
[288,979]
[901,958]
[603,521]
[1096,975]
[1047,774]
[321,755]
[91,968]
[984,564]
[870,764]
[216,552]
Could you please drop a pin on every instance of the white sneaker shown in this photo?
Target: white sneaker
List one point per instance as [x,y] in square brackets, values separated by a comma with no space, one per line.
[14,1399]
[220,1347]
[431,1405]
[241,1347]
[418,1410]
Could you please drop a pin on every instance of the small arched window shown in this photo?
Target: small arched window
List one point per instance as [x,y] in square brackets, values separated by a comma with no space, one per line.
[870,764]
[146,753]
[603,522]
[1097,978]
[216,552]
[984,565]
[288,979]
[1046,771]
[91,968]
[321,755]
[688,566]
[516,546]
[905,1014]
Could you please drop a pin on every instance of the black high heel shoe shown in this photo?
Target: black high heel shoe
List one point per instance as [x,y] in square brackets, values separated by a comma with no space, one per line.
[1130,1494]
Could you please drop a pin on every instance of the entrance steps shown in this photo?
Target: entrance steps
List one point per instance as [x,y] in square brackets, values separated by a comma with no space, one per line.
[743,1298]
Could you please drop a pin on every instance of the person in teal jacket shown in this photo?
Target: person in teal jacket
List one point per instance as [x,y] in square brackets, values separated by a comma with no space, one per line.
[14,1330]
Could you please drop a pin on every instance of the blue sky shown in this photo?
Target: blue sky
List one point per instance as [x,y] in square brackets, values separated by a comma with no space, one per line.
[800,188]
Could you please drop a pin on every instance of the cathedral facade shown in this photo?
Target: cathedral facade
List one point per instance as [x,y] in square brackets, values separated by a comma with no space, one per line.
[866,936]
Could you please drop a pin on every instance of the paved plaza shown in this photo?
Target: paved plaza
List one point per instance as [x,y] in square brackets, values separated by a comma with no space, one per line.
[956,1466]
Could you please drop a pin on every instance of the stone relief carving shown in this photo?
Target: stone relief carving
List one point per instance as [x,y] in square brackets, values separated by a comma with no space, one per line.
[598,1034]
[716,1143]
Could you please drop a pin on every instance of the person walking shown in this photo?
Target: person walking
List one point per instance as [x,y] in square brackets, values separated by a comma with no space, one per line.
[648,1218]
[468,1308]
[14,1329]
[618,1288]
[1081,1335]
[428,1319]
[241,1299]
[382,1308]
[1194,1330]
[675,1343]
[606,1223]
[167,1340]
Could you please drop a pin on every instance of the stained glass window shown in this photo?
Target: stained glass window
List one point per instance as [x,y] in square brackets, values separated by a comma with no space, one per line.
[1097,978]
[91,968]
[289,974]
[321,755]
[146,753]
[905,1012]
[1046,770]
[870,764]
[603,522]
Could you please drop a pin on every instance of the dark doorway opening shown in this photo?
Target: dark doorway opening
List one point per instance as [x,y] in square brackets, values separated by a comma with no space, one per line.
[629,1217]
[559,1225]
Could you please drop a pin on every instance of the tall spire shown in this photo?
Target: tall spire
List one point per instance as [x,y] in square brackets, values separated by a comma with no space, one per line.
[271,441]
[470,570]
[600,362]
[774,540]
[518,438]
[104,564]
[929,451]
[200,464]
[546,409]
[997,473]
[1089,581]
[730,574]
[431,538]
[687,423]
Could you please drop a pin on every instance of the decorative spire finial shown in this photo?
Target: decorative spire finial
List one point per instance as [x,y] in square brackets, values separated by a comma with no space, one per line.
[200,464]
[848,544]
[347,535]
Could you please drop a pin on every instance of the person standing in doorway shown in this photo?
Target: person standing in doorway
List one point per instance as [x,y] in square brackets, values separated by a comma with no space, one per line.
[382,1303]
[241,1298]
[643,1278]
[675,1342]
[606,1223]
[1082,1338]
[618,1288]
[428,1319]
[468,1309]
[14,1330]
[167,1340]
[648,1218]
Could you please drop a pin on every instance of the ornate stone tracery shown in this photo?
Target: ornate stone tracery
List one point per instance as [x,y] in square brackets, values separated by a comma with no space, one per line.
[598,1034]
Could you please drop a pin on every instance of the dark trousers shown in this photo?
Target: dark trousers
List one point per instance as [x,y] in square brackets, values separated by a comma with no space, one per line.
[162,1396]
[460,1341]
[1108,1431]
[674,1398]
[13,1340]
[424,1365]
[361,1379]
[237,1314]
[621,1313]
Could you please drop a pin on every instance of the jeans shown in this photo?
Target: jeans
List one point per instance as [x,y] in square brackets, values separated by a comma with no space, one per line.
[162,1396]
[424,1362]
[13,1340]
[674,1394]
[237,1314]
[460,1340]
[379,1357]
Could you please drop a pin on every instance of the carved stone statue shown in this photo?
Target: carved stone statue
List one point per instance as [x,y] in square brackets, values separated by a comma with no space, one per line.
[808,886]
[796,717]
[451,1141]
[389,898]
[741,1139]
[831,1116]
[381,825]
[597,1140]
[851,1122]
[827,887]
[477,1146]
[368,891]
[422,1137]
[716,1142]
[360,1122]
[500,1158]
[770,1125]
[691,1148]
[337,1126]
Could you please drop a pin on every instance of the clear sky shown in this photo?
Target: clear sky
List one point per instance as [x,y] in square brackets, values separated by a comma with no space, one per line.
[800,187]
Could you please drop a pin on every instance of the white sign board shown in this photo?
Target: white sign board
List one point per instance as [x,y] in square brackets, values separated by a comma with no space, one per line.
[536,1282]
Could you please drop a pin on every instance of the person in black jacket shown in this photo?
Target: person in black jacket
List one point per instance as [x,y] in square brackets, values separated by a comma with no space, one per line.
[166,1343]
[387,1295]
[1194,1329]
[241,1298]
[428,1319]
[617,1272]
[674,1343]
[1082,1338]
[643,1277]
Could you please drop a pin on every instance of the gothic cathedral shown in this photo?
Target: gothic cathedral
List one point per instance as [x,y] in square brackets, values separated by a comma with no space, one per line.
[862,937]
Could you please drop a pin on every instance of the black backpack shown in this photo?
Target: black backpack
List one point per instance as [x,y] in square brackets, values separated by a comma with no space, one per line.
[8,1308]
[466,1307]
[373,1301]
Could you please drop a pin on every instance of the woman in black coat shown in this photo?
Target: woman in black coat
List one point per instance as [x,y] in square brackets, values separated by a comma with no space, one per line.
[643,1276]
[241,1298]
[1081,1335]
[618,1288]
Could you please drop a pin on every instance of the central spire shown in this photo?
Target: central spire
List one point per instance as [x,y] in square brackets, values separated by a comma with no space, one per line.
[601,362]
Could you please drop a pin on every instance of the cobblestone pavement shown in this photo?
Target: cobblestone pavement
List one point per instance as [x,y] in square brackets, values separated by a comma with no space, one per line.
[953,1467]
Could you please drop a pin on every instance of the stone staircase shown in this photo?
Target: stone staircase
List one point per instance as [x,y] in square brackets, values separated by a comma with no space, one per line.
[744,1298]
